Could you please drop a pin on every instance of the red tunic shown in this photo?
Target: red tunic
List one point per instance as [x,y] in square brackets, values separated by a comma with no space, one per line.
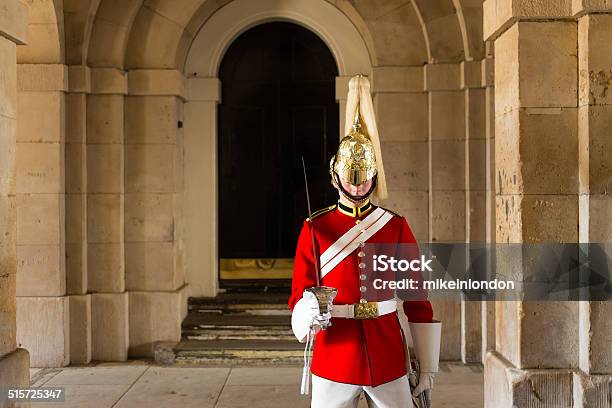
[361,352]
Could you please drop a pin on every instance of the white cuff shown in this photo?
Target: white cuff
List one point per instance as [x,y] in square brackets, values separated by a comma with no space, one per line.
[426,341]
[300,319]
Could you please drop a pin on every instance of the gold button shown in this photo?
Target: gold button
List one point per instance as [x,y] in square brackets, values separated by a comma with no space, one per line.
[362,265]
[357,221]
[362,276]
[361,254]
[363,301]
[363,289]
[361,244]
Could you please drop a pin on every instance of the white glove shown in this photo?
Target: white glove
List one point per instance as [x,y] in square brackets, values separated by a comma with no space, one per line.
[426,381]
[306,314]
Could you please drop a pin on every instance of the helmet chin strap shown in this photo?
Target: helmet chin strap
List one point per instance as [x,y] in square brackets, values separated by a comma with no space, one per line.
[355,200]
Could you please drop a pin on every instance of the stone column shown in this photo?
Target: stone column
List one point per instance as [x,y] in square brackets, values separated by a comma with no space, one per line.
[447,194]
[76,179]
[153,207]
[488,82]
[592,380]
[200,199]
[42,307]
[475,202]
[79,86]
[536,157]
[14,362]
[105,207]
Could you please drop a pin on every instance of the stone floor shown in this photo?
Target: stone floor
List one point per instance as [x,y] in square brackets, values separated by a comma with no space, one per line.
[144,384]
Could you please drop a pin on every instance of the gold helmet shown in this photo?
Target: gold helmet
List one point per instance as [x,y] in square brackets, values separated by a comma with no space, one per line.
[355,161]
[359,156]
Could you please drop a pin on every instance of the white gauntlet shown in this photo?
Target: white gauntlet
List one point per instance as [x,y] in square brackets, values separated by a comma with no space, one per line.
[426,341]
[306,314]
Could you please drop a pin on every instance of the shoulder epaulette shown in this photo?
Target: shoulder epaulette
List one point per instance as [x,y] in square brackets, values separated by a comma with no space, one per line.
[321,212]
[393,212]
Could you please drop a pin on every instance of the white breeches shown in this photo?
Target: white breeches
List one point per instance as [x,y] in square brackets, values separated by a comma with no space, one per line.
[331,394]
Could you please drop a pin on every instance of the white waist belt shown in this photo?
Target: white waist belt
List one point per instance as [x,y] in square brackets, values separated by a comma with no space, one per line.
[367,310]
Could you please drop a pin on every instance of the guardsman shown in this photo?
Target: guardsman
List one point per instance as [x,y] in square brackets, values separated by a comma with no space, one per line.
[364,347]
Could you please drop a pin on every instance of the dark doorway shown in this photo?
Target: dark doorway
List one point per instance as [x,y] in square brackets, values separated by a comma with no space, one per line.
[278,103]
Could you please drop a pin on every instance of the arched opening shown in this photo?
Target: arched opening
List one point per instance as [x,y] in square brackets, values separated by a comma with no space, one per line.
[278,103]
[203,96]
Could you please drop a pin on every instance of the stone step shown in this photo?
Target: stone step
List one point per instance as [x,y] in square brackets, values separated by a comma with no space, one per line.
[236,326]
[241,302]
[272,333]
[235,319]
[281,308]
[243,297]
[235,329]
[238,352]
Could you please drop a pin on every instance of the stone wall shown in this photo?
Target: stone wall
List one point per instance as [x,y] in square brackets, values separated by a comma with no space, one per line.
[96,201]
[432,124]
[41,207]
[14,361]
[592,381]
[552,185]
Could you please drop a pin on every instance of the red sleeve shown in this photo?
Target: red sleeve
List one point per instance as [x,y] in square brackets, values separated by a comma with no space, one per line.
[418,311]
[304,276]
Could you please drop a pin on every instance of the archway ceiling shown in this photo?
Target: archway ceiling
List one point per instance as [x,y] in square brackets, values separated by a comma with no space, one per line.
[157,34]
[79,18]
[45,37]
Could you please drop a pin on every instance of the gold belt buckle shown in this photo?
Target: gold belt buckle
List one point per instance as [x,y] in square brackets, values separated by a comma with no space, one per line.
[366,310]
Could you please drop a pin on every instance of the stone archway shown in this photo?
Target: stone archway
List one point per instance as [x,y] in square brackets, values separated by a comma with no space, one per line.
[203,93]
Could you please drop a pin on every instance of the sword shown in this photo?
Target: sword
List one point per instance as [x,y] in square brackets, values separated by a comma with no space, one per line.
[314,250]
[324,295]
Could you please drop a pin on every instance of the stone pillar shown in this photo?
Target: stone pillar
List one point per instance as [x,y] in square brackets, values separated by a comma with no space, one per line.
[200,199]
[488,82]
[447,194]
[14,362]
[79,86]
[475,201]
[153,207]
[109,326]
[537,200]
[105,209]
[76,180]
[79,307]
[592,380]
[41,262]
